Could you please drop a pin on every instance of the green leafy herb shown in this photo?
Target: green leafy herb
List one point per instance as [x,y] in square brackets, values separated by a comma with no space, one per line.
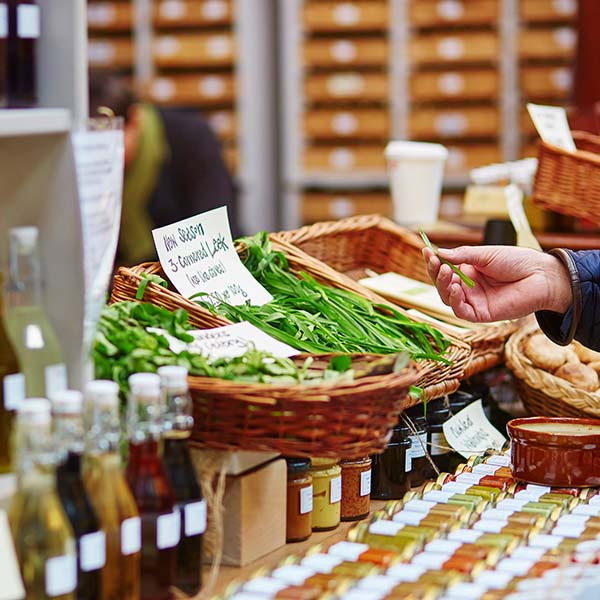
[146,279]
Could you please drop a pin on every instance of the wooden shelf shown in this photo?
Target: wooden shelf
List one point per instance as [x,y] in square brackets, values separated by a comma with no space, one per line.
[34,121]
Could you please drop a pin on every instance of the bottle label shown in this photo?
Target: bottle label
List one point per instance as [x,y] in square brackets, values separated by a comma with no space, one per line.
[28,21]
[92,551]
[195,518]
[131,536]
[419,444]
[3,21]
[439,444]
[55,378]
[306,500]
[168,530]
[365,483]
[335,490]
[13,390]
[408,456]
[61,575]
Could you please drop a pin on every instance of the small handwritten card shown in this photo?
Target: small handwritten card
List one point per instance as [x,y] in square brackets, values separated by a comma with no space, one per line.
[469,432]
[552,125]
[229,341]
[198,255]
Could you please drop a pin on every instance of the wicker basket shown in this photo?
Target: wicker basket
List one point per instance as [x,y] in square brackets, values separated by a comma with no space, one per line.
[436,379]
[569,182]
[372,242]
[542,393]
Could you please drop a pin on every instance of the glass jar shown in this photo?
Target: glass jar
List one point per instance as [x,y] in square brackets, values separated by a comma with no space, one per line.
[436,415]
[356,489]
[299,503]
[327,493]
[414,417]
[391,470]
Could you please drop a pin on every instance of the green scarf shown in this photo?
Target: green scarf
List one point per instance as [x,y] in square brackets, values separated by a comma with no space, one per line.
[135,239]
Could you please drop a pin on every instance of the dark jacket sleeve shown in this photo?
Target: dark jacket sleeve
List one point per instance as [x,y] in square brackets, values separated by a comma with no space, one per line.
[582,320]
[194,178]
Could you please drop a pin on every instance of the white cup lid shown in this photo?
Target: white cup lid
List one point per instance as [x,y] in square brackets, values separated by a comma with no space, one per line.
[148,383]
[102,391]
[415,150]
[66,402]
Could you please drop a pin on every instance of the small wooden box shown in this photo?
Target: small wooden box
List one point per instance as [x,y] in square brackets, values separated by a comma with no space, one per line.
[452,123]
[464,157]
[194,50]
[553,43]
[110,52]
[346,16]
[480,84]
[347,86]
[345,159]
[326,206]
[546,82]
[456,48]
[347,124]
[109,16]
[346,52]
[196,13]
[199,90]
[439,13]
[548,11]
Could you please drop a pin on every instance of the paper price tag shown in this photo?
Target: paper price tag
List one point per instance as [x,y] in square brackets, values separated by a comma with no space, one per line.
[469,432]
[198,256]
[552,125]
[195,518]
[229,341]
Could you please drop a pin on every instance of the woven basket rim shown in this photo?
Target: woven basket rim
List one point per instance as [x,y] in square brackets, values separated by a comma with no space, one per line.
[586,155]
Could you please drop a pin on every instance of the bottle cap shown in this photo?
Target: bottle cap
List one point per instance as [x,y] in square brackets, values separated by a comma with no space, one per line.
[66,402]
[173,376]
[148,383]
[34,410]
[102,391]
[24,239]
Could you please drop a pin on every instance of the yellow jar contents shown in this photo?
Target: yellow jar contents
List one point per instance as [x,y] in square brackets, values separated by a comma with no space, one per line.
[327,493]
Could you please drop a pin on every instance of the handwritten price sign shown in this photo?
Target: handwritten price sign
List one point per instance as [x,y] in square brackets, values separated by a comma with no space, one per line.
[198,256]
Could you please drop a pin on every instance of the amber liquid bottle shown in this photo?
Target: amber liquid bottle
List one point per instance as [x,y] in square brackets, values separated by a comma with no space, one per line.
[147,477]
[23,33]
[109,493]
[177,426]
[91,541]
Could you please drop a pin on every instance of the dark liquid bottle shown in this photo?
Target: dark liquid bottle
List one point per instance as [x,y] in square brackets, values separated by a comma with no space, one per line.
[177,425]
[147,478]
[415,419]
[91,541]
[23,33]
[3,54]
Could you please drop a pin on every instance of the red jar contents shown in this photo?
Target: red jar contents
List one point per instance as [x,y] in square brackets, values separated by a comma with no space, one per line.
[356,488]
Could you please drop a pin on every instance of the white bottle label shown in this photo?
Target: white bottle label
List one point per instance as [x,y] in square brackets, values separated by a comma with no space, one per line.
[365,483]
[408,456]
[131,536]
[306,500]
[61,575]
[419,445]
[3,21]
[92,551]
[28,21]
[13,390]
[55,377]
[335,490]
[439,444]
[195,518]
[168,530]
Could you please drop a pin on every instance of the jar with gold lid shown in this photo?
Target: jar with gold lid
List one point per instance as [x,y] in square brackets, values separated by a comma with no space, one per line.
[327,493]
[356,489]
[299,503]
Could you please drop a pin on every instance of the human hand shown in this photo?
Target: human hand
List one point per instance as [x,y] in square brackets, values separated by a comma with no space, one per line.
[510,282]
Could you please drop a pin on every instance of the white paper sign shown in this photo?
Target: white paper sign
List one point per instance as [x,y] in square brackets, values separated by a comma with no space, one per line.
[228,341]
[198,255]
[469,432]
[10,576]
[552,125]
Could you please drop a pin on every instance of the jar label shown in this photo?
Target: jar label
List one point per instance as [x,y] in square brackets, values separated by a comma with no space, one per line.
[335,490]
[92,551]
[14,390]
[418,445]
[408,460]
[321,563]
[55,378]
[493,580]
[443,546]
[430,560]
[348,550]
[264,585]
[3,21]
[408,518]
[365,483]
[528,553]
[514,566]
[28,21]
[466,536]
[439,444]
[61,575]
[195,518]
[548,542]
[292,574]
[501,460]
[404,572]
[586,509]
[485,469]
[456,488]
[384,527]
[569,532]
[511,504]
[438,496]
[131,536]
[306,500]
[574,520]
[493,514]
[168,530]
[594,500]
[490,526]
[472,478]
[420,506]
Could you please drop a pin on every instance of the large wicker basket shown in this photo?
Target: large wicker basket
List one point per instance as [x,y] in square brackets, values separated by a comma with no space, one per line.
[569,182]
[436,379]
[542,393]
[358,244]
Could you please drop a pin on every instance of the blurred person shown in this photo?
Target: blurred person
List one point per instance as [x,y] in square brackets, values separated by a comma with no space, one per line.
[174,168]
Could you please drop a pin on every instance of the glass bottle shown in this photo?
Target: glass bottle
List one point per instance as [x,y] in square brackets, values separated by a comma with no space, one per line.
[327,493]
[153,494]
[23,33]
[299,500]
[437,415]
[414,418]
[42,534]
[109,493]
[25,319]
[90,540]
[12,390]
[3,54]
[177,425]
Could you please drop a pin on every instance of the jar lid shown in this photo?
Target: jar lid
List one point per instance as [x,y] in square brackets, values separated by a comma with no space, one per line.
[324,462]
[295,464]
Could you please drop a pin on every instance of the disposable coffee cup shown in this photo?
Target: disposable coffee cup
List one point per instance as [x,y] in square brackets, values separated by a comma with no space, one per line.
[416,171]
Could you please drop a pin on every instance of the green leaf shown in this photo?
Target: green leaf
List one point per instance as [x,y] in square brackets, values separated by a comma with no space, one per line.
[340,363]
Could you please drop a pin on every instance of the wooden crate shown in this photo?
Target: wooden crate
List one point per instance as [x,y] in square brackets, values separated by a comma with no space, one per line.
[110,53]
[441,13]
[344,159]
[457,48]
[331,206]
[546,82]
[357,123]
[548,11]
[109,16]
[464,157]
[224,123]
[552,43]
[479,84]
[346,16]
[349,86]
[343,51]
[469,122]
[194,50]
[192,13]
[193,90]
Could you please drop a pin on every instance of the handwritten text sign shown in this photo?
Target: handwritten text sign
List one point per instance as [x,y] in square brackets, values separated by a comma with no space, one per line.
[229,341]
[198,255]
[552,125]
[469,432]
